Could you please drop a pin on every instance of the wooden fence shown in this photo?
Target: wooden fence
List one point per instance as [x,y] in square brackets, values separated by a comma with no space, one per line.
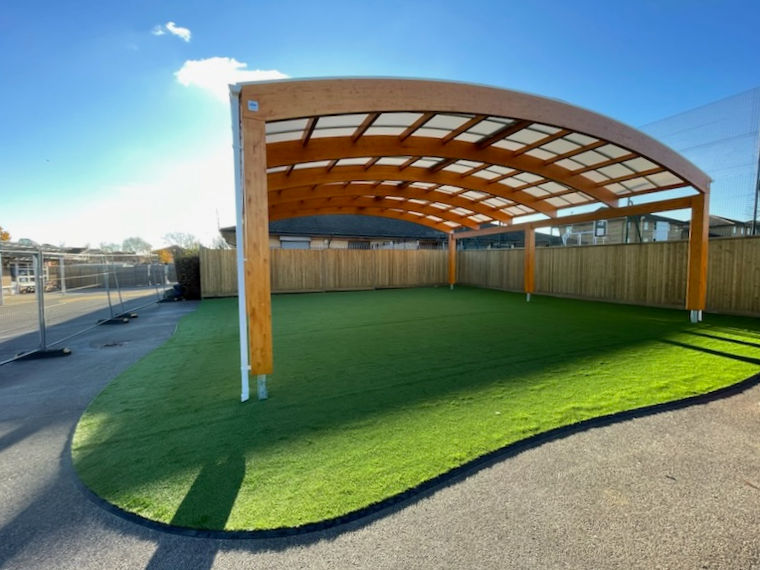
[644,274]
[294,270]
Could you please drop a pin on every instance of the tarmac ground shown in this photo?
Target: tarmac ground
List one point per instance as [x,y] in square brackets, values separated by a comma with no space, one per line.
[678,489]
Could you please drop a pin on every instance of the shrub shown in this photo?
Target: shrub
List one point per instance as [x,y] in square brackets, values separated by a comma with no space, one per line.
[188,270]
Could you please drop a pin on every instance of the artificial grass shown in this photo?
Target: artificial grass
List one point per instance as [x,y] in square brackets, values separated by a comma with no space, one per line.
[376,392]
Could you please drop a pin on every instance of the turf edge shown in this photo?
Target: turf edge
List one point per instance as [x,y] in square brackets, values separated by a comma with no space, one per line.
[426,488]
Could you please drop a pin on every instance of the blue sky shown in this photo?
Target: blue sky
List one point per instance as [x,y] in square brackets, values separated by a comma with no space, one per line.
[111,122]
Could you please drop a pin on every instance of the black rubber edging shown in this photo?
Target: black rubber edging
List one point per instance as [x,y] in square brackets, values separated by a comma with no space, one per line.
[436,483]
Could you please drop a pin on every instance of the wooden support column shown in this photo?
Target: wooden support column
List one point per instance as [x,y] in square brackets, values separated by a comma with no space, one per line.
[696,273]
[256,247]
[529,268]
[452,260]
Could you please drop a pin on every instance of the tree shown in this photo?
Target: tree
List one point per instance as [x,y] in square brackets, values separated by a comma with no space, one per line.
[136,245]
[165,256]
[109,247]
[4,236]
[183,240]
[219,243]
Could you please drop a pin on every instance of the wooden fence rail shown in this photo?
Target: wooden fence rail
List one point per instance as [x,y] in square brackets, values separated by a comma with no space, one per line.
[644,274]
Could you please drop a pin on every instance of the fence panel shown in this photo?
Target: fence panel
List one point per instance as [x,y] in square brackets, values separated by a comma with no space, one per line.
[646,274]
[733,276]
[294,270]
[48,297]
[218,272]
[493,268]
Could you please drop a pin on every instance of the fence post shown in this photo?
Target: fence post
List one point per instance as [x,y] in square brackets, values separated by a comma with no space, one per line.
[1,279]
[40,289]
[107,284]
[62,274]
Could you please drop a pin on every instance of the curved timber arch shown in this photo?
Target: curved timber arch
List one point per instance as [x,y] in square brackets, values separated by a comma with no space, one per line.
[302,177]
[409,193]
[464,159]
[378,203]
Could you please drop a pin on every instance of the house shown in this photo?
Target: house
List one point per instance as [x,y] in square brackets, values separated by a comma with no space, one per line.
[647,228]
[507,240]
[630,229]
[726,227]
[347,232]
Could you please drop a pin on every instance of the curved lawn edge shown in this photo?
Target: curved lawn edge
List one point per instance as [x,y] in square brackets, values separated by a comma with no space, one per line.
[431,486]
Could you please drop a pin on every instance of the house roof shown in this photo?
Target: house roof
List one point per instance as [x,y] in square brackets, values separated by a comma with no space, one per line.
[345,226]
[721,221]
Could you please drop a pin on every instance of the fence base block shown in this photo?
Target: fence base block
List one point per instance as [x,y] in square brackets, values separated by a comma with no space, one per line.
[695,316]
[114,321]
[50,353]
[127,316]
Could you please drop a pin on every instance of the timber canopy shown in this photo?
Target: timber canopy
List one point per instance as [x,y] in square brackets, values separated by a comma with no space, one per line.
[463,159]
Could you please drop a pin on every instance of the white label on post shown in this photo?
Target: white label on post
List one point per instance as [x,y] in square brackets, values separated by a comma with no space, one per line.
[253,105]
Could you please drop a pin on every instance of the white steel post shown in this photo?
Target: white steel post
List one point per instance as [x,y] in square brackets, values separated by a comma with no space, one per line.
[107,285]
[62,274]
[242,314]
[40,289]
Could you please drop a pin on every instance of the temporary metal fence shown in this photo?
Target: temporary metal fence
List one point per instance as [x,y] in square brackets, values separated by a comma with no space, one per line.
[49,297]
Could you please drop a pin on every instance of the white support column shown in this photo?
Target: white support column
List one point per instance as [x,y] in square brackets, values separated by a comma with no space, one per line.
[242,313]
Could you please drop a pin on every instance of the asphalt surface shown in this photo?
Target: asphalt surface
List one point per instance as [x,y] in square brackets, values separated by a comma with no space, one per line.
[65,314]
[675,490]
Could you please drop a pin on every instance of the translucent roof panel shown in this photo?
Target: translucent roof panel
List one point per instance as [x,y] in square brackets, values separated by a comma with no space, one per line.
[446,122]
[527,136]
[384,131]
[337,132]
[286,126]
[335,121]
[396,119]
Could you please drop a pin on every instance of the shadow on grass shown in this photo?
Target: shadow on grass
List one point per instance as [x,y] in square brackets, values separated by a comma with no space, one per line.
[721,353]
[342,360]
[216,486]
[725,339]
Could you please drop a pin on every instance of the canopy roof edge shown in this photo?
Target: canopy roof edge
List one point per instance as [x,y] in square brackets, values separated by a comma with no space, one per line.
[289,99]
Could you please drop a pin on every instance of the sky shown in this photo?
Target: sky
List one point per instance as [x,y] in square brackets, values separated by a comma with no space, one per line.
[115,122]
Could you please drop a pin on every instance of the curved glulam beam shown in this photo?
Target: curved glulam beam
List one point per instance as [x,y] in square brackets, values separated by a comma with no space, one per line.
[408,193]
[284,213]
[329,148]
[381,203]
[312,176]
[291,99]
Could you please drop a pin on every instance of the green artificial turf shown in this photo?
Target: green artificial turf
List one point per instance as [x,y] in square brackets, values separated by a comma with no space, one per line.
[376,392]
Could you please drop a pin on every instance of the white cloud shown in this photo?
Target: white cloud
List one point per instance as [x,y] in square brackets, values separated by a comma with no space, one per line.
[214,74]
[180,32]
[173,29]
